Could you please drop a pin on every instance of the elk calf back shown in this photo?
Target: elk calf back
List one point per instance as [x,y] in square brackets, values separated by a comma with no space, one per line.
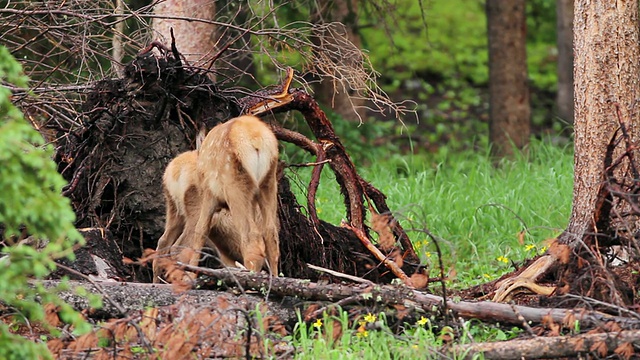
[237,169]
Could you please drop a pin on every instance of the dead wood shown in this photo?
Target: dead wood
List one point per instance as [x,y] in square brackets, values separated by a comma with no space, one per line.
[622,343]
[401,295]
[212,324]
[133,297]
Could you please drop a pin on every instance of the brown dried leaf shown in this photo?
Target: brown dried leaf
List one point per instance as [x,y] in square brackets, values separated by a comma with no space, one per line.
[396,257]
[148,323]
[563,290]
[560,251]
[177,347]
[452,274]
[569,320]
[582,263]
[55,347]
[380,224]
[554,329]
[84,342]
[446,334]
[419,280]
[336,330]
[521,237]
[625,350]
[612,326]
[51,315]
[164,335]
[401,311]
[600,347]
[309,311]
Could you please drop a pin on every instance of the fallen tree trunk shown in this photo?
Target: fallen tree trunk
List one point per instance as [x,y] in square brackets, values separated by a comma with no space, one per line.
[401,295]
[135,296]
[123,298]
[621,343]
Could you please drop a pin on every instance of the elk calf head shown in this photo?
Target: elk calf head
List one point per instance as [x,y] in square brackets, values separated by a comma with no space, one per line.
[224,195]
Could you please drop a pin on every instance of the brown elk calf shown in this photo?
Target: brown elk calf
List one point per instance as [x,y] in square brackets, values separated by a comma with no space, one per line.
[224,194]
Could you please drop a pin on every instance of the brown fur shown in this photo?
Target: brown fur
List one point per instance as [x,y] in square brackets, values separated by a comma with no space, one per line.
[225,196]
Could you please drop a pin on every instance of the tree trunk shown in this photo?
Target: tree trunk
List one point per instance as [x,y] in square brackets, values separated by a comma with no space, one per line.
[195,40]
[606,73]
[333,90]
[509,109]
[564,26]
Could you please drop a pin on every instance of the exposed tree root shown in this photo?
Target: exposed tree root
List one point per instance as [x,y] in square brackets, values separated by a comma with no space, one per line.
[527,279]
[132,127]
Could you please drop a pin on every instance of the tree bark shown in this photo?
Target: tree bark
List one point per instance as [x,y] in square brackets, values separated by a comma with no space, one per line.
[606,73]
[564,26]
[600,344]
[196,40]
[334,91]
[509,109]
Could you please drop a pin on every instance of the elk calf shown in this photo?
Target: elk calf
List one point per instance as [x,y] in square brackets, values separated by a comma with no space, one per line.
[225,194]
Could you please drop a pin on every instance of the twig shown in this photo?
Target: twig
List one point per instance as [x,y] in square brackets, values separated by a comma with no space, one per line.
[339,274]
[391,265]
[115,304]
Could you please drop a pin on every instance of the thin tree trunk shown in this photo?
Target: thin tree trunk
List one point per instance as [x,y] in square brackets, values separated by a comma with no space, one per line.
[564,26]
[195,40]
[606,73]
[509,109]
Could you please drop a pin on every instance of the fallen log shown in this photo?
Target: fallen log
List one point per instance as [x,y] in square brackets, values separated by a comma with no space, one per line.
[119,297]
[402,295]
[601,344]
[234,310]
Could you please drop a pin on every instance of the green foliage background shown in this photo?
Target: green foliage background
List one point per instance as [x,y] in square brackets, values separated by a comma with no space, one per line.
[30,197]
[448,40]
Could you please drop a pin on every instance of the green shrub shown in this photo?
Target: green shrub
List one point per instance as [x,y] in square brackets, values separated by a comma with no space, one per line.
[30,197]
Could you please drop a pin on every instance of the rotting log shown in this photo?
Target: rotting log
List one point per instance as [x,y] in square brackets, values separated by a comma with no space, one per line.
[621,343]
[136,296]
[401,295]
[130,297]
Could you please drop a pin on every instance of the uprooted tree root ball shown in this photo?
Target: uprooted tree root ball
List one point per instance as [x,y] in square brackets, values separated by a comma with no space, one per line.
[132,127]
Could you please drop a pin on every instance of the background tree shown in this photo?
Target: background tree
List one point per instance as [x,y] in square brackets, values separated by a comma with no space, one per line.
[509,109]
[564,21]
[196,39]
[606,167]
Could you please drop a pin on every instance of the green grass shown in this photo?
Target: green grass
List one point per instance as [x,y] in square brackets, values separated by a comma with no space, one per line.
[477,211]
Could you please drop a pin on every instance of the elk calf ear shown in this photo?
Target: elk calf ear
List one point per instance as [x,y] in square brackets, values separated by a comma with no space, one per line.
[202,133]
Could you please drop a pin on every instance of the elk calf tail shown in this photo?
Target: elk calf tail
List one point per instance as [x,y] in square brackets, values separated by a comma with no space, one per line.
[255,145]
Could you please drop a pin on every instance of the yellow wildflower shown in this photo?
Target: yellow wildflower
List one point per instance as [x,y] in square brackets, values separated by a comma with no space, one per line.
[317,324]
[529,247]
[502,259]
[422,321]
[370,318]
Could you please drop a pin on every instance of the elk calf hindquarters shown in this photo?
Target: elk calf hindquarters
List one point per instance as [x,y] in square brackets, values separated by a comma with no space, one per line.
[225,194]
